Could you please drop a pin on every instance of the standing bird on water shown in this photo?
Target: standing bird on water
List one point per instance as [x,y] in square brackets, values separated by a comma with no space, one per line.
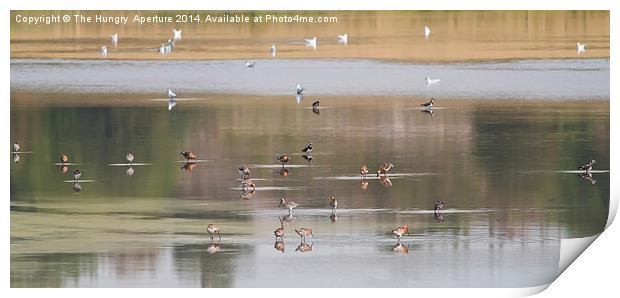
[114,39]
[581,48]
[300,89]
[428,104]
[384,168]
[171,94]
[343,39]
[129,158]
[307,149]
[64,158]
[427,32]
[189,156]
[311,43]
[333,203]
[290,205]
[244,171]
[249,64]
[283,159]
[587,167]
[400,231]
[304,232]
[438,206]
[16,147]
[364,171]
[213,229]
[176,34]
[76,175]
[104,51]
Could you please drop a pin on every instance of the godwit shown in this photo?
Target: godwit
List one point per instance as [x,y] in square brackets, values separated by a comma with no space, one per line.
[283,159]
[303,247]
[213,229]
[307,149]
[76,175]
[16,147]
[304,232]
[581,48]
[300,89]
[438,206]
[587,167]
[287,204]
[343,39]
[279,232]
[384,168]
[333,203]
[400,231]
[129,158]
[249,64]
[273,50]
[244,171]
[64,158]
[401,249]
[363,171]
[428,104]
[189,156]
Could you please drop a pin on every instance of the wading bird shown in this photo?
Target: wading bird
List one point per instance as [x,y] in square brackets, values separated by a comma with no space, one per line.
[428,104]
[307,149]
[189,156]
[171,94]
[76,175]
[129,158]
[213,229]
[581,48]
[400,231]
[16,147]
[104,51]
[176,34]
[333,203]
[587,167]
[287,204]
[311,43]
[364,171]
[384,168]
[249,64]
[114,39]
[279,232]
[244,171]
[304,232]
[273,50]
[438,206]
[283,159]
[430,81]
[300,89]
[64,158]
[427,32]
[343,39]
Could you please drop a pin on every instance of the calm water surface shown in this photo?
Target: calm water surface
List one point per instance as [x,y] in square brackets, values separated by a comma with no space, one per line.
[498,165]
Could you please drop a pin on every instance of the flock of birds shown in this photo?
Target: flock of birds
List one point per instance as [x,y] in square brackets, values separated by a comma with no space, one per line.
[248,186]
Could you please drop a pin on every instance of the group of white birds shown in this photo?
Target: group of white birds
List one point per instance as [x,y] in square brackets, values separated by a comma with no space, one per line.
[164,48]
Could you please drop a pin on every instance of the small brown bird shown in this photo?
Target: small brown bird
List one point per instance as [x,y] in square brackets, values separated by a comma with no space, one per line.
[189,156]
[64,158]
[333,203]
[213,229]
[304,232]
[283,159]
[364,171]
[279,232]
[384,168]
[400,231]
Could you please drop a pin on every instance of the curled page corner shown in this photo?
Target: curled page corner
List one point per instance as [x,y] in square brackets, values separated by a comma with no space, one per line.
[613,203]
[571,248]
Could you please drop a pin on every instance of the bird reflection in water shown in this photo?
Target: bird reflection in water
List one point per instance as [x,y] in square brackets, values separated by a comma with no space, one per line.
[308,158]
[385,181]
[400,248]
[333,217]
[64,169]
[284,172]
[130,171]
[213,248]
[279,246]
[588,177]
[189,166]
[438,216]
[304,247]
[247,194]
[16,157]
[77,187]
[430,113]
[364,184]
[299,98]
